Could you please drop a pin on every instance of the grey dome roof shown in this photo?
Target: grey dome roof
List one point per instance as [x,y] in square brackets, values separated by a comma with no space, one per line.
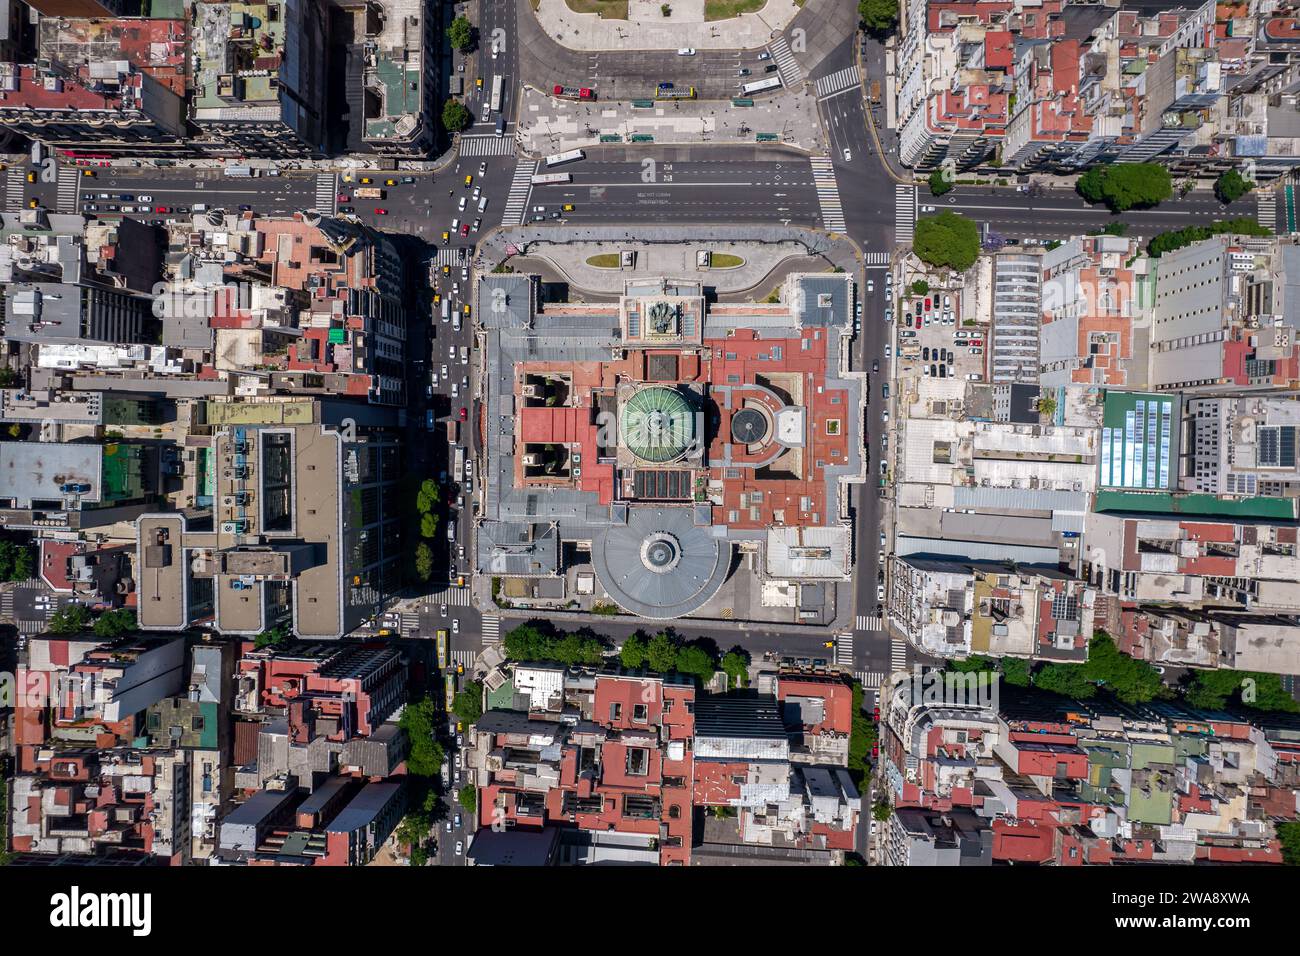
[660,565]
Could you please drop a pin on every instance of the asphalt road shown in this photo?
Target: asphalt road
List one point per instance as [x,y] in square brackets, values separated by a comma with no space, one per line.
[1053,213]
[698,184]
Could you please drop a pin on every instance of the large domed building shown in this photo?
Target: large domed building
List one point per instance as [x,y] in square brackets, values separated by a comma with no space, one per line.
[633,451]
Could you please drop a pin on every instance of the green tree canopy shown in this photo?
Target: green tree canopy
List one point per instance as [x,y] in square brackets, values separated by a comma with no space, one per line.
[1131,680]
[428,525]
[920,287]
[428,496]
[862,736]
[468,798]
[423,561]
[425,753]
[1231,186]
[1177,238]
[948,239]
[661,653]
[1016,671]
[1126,186]
[455,117]
[1289,834]
[735,663]
[272,637]
[468,704]
[114,624]
[16,562]
[695,661]
[460,34]
[878,15]
[534,642]
[72,619]
[632,653]
[1216,689]
[940,183]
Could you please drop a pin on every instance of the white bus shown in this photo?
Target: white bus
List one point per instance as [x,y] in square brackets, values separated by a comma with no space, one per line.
[547,179]
[758,86]
[496,94]
[559,159]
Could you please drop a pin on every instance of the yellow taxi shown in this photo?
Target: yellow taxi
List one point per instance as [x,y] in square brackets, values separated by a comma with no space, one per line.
[479,82]
[568,207]
[467,308]
[446,236]
[366,180]
[88,172]
[32,204]
[446,270]
[31,177]
[469,179]
[390,182]
[347,177]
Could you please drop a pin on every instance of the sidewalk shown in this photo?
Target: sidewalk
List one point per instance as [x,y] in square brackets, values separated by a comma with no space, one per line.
[648,29]
[501,244]
[547,125]
[569,259]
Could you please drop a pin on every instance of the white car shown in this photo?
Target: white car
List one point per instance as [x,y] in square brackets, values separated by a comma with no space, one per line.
[144,199]
[460,847]
[495,51]
[461,205]
[455,625]
[889,350]
[469,469]
[927,209]
[686,51]
[871,286]
[848,156]
[482,168]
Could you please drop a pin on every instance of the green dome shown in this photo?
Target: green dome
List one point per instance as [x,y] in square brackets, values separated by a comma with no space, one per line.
[658,424]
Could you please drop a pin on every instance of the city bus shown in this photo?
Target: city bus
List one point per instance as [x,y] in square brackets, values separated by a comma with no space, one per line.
[450,682]
[547,179]
[496,94]
[559,159]
[442,649]
[460,462]
[758,86]
[668,92]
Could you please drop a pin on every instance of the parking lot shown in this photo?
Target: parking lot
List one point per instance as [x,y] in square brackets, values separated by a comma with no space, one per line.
[935,341]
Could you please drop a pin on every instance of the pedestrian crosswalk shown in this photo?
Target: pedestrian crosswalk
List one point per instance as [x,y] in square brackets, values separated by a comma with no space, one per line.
[870,680]
[828,194]
[452,597]
[14,184]
[786,64]
[904,212]
[491,629]
[876,259]
[448,257]
[844,650]
[897,655]
[517,199]
[410,624]
[69,186]
[867,622]
[464,658]
[1267,210]
[327,193]
[487,144]
[837,82]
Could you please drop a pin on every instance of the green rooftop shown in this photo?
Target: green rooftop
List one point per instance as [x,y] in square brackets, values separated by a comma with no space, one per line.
[1195,506]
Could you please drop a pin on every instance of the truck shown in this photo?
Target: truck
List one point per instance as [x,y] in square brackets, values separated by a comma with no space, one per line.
[453,432]
[875,91]
[368,192]
[243,172]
